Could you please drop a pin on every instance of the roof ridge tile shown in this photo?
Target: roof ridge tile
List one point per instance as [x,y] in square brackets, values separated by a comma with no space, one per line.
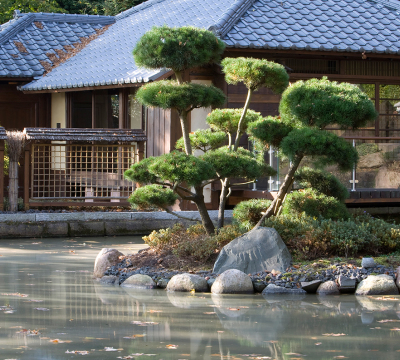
[230,17]
[136,9]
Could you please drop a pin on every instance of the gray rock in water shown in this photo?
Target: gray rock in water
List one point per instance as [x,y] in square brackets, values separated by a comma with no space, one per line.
[259,249]
[346,285]
[162,283]
[377,285]
[310,286]
[232,281]
[273,289]
[259,286]
[107,257]
[187,282]
[368,263]
[139,281]
[109,280]
[328,288]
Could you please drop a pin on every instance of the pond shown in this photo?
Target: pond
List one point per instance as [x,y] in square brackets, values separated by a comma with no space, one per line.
[50,308]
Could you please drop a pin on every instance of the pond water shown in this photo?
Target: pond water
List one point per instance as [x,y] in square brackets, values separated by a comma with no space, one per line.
[50,308]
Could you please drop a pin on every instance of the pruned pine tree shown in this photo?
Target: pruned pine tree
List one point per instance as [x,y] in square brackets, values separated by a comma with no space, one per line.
[254,74]
[306,109]
[179,49]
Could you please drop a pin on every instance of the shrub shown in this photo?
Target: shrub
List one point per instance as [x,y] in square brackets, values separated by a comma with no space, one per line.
[248,213]
[309,238]
[321,181]
[315,204]
[192,242]
[367,148]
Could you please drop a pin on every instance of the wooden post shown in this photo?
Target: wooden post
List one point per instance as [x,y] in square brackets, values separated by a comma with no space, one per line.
[140,155]
[140,151]
[27,166]
[1,175]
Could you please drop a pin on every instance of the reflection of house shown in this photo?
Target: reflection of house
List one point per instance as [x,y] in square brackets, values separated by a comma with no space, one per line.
[75,71]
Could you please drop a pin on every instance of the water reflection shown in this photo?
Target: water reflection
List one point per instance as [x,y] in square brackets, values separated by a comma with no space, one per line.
[50,307]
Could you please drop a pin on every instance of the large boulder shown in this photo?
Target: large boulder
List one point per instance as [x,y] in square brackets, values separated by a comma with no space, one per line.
[258,250]
[377,285]
[187,282]
[232,281]
[328,288]
[106,258]
[139,281]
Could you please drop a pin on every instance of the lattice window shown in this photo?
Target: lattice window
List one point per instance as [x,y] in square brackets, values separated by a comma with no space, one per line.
[85,172]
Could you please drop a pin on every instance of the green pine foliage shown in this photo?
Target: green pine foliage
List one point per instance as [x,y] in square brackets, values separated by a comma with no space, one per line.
[177,48]
[319,102]
[237,164]
[168,94]
[315,204]
[270,129]
[248,213]
[256,73]
[321,181]
[140,173]
[328,148]
[152,196]
[204,140]
[177,167]
[227,120]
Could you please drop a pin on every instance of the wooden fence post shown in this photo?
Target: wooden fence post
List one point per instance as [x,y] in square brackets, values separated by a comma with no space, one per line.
[1,175]
[27,164]
[139,156]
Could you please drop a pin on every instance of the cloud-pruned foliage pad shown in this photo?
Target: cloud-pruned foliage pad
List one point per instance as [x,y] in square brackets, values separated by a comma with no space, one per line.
[168,94]
[177,48]
[255,73]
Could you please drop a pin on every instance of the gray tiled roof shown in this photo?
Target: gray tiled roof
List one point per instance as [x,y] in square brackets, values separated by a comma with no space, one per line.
[28,42]
[325,25]
[319,25]
[108,59]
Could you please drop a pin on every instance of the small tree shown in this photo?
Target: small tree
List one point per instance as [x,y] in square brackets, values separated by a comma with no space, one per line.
[254,73]
[15,145]
[179,49]
[306,109]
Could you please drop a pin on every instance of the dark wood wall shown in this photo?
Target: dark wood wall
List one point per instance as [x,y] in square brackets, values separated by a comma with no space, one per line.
[18,110]
[163,130]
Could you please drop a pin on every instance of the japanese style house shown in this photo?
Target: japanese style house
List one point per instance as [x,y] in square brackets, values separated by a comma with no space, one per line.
[77,71]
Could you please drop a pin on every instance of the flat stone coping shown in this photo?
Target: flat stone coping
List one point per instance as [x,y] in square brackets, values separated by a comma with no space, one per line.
[98,216]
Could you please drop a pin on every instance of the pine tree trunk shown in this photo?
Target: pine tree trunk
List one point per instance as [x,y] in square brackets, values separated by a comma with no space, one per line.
[239,132]
[287,183]
[201,206]
[222,202]
[13,185]
[185,132]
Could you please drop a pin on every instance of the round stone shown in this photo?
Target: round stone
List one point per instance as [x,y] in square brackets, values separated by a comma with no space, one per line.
[106,258]
[377,285]
[187,282]
[232,282]
[328,288]
[139,281]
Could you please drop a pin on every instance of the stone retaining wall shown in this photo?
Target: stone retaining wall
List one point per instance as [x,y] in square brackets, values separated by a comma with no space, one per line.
[22,225]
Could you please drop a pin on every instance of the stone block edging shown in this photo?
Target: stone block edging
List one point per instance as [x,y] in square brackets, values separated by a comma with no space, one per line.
[22,225]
